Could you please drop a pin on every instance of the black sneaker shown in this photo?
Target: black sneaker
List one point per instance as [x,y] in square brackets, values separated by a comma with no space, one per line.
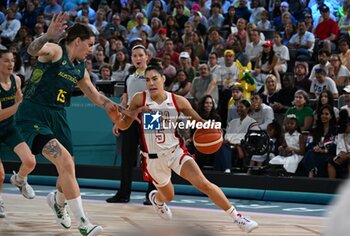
[117,199]
[147,202]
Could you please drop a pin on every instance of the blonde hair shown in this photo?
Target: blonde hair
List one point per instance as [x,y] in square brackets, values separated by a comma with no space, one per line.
[278,84]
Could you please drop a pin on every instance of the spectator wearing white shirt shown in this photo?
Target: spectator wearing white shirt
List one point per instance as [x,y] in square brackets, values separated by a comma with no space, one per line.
[303,42]
[235,132]
[228,76]
[282,53]
[264,23]
[321,83]
[254,48]
[100,22]
[338,72]
[346,92]
[261,112]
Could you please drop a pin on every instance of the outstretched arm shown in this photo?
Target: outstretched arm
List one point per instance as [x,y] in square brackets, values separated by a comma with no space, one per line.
[123,122]
[40,47]
[101,100]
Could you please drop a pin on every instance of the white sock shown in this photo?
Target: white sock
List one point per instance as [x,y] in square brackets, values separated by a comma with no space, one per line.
[76,206]
[60,198]
[20,179]
[232,212]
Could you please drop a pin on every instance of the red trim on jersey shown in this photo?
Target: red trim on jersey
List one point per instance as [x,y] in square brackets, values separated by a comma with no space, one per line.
[175,103]
[146,175]
[143,145]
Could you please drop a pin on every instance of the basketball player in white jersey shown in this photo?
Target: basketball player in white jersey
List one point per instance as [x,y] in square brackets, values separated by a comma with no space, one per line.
[164,151]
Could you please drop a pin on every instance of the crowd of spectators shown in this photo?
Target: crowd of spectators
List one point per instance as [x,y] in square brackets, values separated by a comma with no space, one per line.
[206,48]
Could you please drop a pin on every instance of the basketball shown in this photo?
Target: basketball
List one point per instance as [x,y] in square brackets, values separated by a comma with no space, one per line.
[207,141]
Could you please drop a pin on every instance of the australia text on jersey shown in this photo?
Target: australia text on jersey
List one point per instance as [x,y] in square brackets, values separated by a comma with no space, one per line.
[161,120]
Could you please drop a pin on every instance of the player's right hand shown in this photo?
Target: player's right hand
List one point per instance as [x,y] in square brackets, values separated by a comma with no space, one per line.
[114,114]
[57,25]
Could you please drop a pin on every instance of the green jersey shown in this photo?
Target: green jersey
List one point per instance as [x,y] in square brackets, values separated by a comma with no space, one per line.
[7,99]
[52,84]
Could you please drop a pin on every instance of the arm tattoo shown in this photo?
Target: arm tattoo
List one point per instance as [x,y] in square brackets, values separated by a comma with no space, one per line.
[37,44]
[105,102]
[90,89]
[52,149]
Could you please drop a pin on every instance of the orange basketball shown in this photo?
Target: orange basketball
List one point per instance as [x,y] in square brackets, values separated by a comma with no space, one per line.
[207,141]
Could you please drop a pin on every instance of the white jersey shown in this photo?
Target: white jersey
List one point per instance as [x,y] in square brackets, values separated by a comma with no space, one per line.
[164,139]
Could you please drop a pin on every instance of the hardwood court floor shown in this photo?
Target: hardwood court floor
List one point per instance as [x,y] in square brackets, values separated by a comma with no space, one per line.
[34,217]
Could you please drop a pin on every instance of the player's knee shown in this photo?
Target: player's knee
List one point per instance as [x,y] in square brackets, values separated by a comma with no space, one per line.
[30,163]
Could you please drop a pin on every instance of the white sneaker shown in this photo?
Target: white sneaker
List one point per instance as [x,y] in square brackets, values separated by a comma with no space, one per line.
[62,217]
[2,210]
[245,224]
[88,229]
[162,210]
[26,190]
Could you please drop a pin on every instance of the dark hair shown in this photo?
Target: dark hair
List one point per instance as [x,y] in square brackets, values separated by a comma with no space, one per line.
[330,100]
[118,64]
[324,51]
[4,51]
[260,95]
[245,103]
[77,30]
[105,65]
[344,120]
[343,39]
[18,61]
[297,128]
[182,83]
[277,128]
[155,64]
[267,56]
[201,110]
[278,33]
[290,77]
[318,132]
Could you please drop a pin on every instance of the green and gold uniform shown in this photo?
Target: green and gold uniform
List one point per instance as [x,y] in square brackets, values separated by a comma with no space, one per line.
[8,132]
[48,93]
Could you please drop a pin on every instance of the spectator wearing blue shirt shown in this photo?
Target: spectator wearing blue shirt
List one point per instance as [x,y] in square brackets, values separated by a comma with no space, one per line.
[51,9]
[283,8]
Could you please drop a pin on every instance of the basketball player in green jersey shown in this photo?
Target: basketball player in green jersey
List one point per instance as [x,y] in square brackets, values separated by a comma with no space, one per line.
[10,98]
[42,115]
